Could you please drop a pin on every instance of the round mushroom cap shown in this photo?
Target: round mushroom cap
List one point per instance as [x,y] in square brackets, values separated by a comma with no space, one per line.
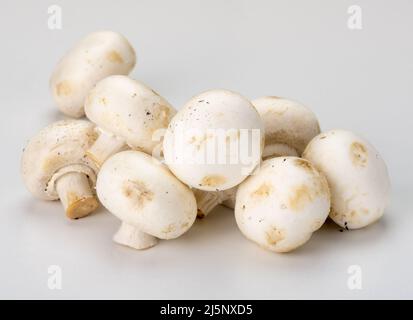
[129,109]
[357,176]
[287,122]
[57,149]
[282,203]
[201,143]
[96,56]
[142,192]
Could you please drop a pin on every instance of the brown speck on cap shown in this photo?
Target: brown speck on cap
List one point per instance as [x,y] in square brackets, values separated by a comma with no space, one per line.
[137,192]
[63,88]
[263,191]
[358,154]
[170,228]
[114,56]
[301,196]
[274,235]
[212,180]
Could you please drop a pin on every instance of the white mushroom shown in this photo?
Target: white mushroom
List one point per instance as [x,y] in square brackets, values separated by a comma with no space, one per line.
[215,141]
[282,203]
[98,55]
[54,166]
[151,202]
[357,176]
[289,126]
[127,113]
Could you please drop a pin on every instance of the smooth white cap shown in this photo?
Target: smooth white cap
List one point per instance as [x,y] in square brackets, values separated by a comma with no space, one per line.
[357,176]
[200,122]
[94,57]
[142,192]
[282,203]
[130,110]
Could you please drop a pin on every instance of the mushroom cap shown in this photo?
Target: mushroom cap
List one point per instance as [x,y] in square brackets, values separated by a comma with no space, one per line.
[142,192]
[129,109]
[282,203]
[93,58]
[202,123]
[287,122]
[357,176]
[57,149]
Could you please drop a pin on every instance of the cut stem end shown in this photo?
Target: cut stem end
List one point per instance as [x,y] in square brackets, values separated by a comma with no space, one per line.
[76,195]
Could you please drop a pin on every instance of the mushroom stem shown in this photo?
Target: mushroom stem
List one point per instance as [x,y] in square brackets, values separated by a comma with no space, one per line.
[106,145]
[208,200]
[129,235]
[278,150]
[76,195]
[230,202]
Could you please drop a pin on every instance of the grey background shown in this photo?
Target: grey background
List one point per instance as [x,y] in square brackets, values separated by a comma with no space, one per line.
[355,79]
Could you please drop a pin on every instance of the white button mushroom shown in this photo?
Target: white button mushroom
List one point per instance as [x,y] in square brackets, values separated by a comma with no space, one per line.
[54,166]
[98,55]
[127,112]
[151,202]
[357,176]
[205,144]
[282,203]
[289,126]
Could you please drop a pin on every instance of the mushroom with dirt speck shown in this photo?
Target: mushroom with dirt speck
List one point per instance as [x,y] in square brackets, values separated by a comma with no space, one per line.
[131,116]
[222,122]
[54,167]
[357,175]
[282,204]
[151,202]
[98,55]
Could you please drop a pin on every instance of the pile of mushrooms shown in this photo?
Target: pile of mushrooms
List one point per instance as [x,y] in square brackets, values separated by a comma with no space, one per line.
[267,159]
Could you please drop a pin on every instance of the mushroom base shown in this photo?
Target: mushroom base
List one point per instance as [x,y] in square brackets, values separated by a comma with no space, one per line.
[105,146]
[208,200]
[230,203]
[76,195]
[130,236]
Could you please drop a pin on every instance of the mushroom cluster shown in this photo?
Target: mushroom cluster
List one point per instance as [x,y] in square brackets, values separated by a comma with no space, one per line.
[267,158]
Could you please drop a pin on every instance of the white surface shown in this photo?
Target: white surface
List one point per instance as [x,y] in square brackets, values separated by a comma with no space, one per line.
[358,80]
